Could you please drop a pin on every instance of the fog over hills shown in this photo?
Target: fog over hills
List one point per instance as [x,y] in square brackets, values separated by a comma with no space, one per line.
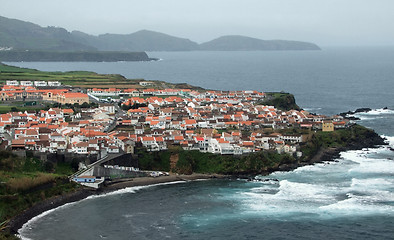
[22,35]
[242,43]
[143,40]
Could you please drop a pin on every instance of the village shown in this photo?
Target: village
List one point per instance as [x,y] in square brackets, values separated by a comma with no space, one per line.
[220,122]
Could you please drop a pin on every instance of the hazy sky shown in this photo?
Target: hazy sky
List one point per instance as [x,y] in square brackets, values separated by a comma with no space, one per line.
[325,22]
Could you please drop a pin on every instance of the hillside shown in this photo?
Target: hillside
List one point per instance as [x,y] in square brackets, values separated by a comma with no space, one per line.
[25,35]
[56,56]
[143,40]
[21,35]
[242,43]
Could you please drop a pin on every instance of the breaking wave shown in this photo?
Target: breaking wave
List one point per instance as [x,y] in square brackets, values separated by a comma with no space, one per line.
[359,183]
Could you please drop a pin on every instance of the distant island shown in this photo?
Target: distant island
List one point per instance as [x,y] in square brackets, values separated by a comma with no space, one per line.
[242,43]
[21,35]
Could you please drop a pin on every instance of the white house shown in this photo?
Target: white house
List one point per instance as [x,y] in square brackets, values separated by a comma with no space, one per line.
[26,83]
[144,84]
[12,83]
[40,83]
[54,83]
[81,148]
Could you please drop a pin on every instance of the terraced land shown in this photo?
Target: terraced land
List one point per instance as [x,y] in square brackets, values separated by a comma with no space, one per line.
[82,79]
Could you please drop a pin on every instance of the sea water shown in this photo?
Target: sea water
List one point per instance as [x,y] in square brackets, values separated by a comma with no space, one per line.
[350,198]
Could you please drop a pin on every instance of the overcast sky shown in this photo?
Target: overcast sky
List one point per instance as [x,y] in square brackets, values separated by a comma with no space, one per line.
[325,22]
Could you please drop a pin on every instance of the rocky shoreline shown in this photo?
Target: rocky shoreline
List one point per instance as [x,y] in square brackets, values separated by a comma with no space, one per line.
[324,154]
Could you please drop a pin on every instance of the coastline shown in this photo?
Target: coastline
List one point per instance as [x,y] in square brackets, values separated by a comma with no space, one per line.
[18,221]
[323,154]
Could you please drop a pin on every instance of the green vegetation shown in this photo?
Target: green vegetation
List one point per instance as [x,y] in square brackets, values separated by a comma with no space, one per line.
[354,137]
[195,161]
[27,181]
[282,101]
[12,108]
[21,106]
[79,78]
[6,68]
[156,161]
[82,79]
[260,162]
[198,162]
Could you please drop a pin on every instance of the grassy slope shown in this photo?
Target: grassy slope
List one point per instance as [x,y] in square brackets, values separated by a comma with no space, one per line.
[27,181]
[81,78]
[67,78]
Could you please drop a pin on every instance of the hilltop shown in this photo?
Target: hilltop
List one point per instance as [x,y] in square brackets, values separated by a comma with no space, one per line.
[25,35]
[143,40]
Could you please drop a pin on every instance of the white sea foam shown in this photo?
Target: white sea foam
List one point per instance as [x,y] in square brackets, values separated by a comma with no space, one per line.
[359,183]
[376,166]
[389,139]
[361,205]
[27,226]
[379,111]
[291,197]
[290,189]
[132,189]
[374,114]
[371,183]
[313,109]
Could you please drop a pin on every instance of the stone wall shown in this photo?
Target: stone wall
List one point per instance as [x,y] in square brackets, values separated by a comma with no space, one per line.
[116,173]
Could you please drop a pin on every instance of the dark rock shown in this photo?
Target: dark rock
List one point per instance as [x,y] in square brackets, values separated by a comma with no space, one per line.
[359,110]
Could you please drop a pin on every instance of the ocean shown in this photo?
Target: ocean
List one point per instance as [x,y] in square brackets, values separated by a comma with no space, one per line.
[350,198]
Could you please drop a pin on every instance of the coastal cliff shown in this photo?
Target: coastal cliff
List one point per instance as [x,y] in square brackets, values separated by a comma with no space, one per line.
[55,56]
[320,146]
[328,146]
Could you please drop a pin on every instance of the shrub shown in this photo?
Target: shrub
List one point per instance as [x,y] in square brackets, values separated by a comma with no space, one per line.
[25,183]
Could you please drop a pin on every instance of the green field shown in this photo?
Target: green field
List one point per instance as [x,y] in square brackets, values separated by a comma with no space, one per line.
[7,109]
[73,78]
[83,79]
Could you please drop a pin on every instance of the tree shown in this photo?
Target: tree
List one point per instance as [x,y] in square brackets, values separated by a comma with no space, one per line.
[57,105]
[85,105]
